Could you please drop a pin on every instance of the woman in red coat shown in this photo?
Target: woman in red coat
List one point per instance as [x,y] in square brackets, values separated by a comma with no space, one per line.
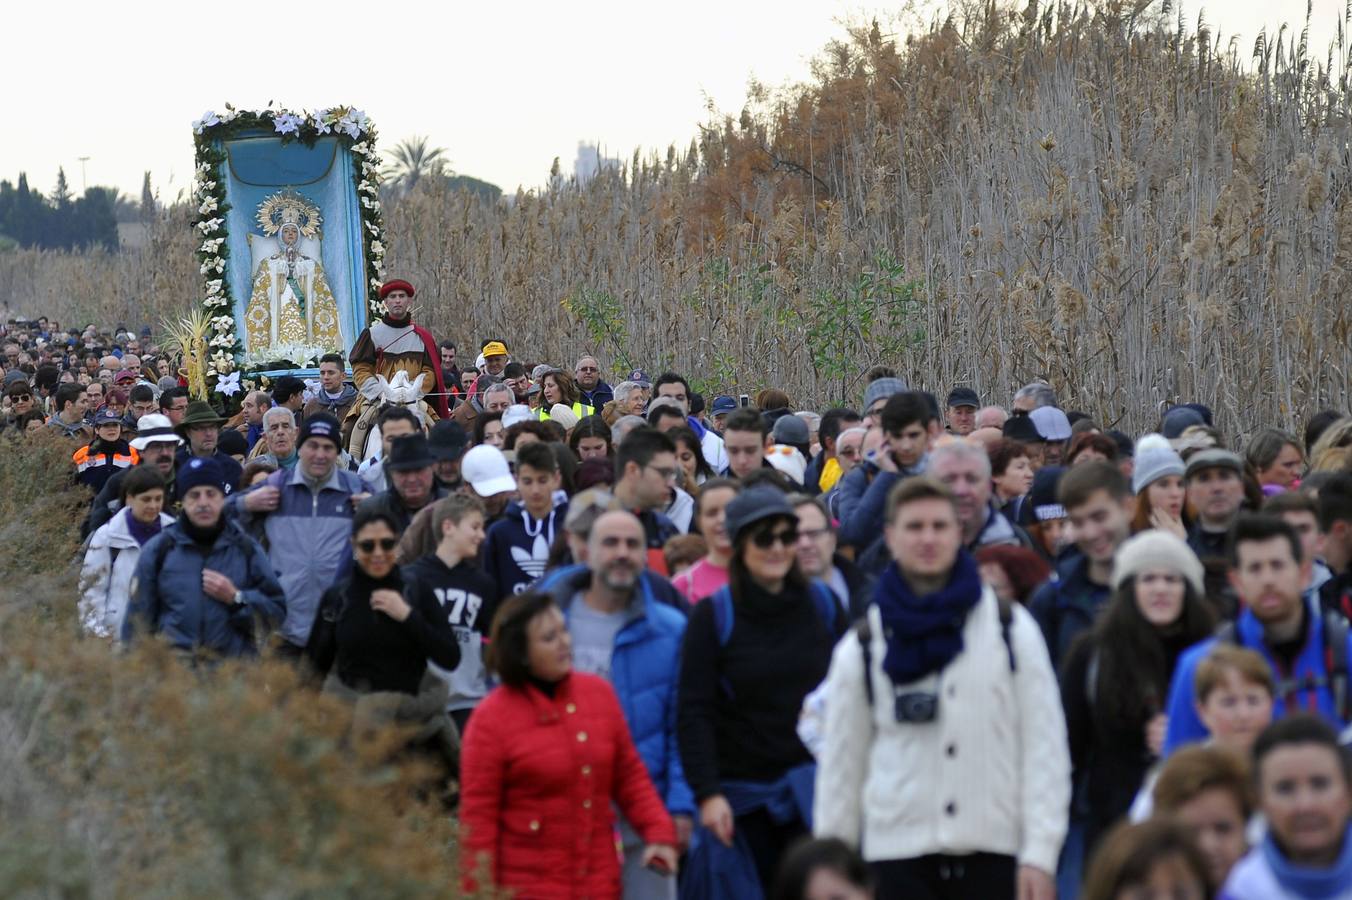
[545,756]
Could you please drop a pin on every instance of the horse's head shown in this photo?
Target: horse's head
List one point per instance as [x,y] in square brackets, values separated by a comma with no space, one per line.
[402,391]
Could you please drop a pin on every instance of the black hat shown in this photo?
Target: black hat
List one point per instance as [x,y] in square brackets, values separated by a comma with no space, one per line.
[1124,445]
[447,441]
[232,442]
[752,506]
[1019,427]
[963,396]
[408,453]
[1042,503]
[321,425]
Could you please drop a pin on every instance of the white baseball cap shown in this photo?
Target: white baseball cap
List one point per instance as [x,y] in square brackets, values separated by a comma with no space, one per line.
[1051,423]
[517,412]
[787,460]
[486,470]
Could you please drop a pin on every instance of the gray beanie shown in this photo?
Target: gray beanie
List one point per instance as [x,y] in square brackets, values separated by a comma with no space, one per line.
[1155,549]
[1155,459]
[881,390]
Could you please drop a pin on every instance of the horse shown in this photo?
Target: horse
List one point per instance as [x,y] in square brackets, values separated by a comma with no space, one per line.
[365,442]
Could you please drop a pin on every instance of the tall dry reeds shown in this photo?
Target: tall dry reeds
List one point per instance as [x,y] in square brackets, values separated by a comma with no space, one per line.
[1133,208]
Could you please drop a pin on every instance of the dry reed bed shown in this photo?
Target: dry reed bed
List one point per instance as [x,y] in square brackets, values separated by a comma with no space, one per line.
[1096,195]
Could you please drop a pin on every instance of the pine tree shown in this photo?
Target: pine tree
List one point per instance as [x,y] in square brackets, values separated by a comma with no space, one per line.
[62,193]
[148,205]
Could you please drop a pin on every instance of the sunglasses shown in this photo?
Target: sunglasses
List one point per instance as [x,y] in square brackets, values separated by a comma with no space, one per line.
[767,539]
[20,398]
[385,544]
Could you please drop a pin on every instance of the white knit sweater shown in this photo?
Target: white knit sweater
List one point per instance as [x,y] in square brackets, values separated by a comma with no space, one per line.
[990,774]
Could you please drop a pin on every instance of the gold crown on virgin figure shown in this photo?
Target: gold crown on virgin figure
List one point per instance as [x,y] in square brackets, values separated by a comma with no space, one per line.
[289,208]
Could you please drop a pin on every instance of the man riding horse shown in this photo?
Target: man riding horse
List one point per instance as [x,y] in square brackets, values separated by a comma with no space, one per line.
[390,345]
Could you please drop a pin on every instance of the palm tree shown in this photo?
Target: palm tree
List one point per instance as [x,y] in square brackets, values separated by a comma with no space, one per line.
[412,160]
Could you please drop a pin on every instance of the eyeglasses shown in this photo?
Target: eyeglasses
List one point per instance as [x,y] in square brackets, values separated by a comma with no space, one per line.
[21,398]
[588,369]
[814,533]
[666,473]
[767,539]
[385,544]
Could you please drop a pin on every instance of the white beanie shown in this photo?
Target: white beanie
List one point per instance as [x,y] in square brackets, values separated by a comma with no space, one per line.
[1155,459]
[1155,549]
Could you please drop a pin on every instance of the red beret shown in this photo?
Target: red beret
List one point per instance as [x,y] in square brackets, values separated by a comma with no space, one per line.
[397,284]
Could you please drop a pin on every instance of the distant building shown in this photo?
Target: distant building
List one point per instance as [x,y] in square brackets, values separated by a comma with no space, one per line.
[590,161]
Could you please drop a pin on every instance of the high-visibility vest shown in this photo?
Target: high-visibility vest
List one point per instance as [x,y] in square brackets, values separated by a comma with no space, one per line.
[84,460]
[580,409]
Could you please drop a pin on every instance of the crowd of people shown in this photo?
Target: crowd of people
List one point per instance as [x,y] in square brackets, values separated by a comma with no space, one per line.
[660,645]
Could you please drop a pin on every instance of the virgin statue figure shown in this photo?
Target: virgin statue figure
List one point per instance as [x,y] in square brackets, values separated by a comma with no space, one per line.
[291,306]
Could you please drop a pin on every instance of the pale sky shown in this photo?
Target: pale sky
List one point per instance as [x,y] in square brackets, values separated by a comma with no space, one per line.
[504,87]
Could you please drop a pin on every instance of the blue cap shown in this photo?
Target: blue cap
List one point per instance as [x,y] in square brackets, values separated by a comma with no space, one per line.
[722,405]
[639,377]
[106,416]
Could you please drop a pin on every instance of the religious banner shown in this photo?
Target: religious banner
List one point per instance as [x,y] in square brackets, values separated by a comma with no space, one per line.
[291,254]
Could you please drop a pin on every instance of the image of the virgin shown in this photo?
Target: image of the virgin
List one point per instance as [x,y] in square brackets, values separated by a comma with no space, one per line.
[290,304]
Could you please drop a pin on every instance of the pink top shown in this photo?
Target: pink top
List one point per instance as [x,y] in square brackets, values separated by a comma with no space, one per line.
[701,580]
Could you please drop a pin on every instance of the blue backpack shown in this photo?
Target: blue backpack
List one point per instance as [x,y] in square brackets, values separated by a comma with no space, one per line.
[823,598]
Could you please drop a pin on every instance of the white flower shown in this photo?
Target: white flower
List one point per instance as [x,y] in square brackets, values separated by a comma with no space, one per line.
[208,205]
[229,114]
[207,226]
[208,119]
[361,148]
[216,300]
[375,283]
[212,245]
[228,384]
[353,123]
[215,264]
[205,187]
[323,120]
[371,227]
[286,123]
[223,323]
[215,285]
[377,248]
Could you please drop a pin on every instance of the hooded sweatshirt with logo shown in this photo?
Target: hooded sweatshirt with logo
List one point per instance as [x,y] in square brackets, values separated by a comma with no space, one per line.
[516,548]
[468,598]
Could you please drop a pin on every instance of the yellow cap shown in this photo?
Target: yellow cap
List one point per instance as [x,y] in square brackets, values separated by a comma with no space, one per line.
[495,348]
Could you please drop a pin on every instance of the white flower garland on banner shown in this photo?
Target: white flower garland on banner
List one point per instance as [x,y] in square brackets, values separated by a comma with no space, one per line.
[348,124]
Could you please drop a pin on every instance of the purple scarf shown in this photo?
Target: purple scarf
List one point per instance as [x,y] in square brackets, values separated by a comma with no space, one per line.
[142,531]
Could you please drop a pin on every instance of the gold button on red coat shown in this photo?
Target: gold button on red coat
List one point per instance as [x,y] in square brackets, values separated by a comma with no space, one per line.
[586,804]
[534,826]
[581,737]
[586,770]
[571,707]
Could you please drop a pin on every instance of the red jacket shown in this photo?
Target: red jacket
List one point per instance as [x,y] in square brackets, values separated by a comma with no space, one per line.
[538,776]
